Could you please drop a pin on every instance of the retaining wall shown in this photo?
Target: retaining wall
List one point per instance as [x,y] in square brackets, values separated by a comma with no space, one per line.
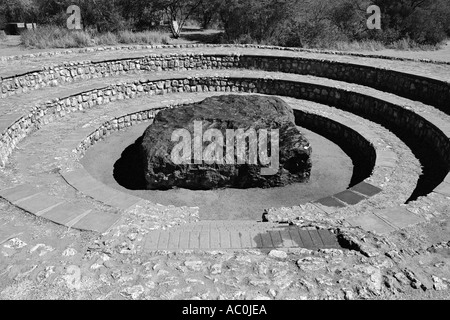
[426,90]
[369,107]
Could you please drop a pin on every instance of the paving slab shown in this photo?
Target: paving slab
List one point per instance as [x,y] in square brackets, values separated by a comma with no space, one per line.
[447,178]
[399,217]
[174,239]
[66,213]
[349,197]
[306,239]
[328,238]
[184,240]
[286,240]
[225,241]
[266,240]
[120,200]
[246,240]
[330,202]
[18,193]
[326,209]
[163,243]
[222,238]
[317,240]
[214,240]
[235,239]
[256,239]
[82,182]
[101,193]
[97,221]
[152,239]
[204,239]
[366,189]
[371,222]
[276,238]
[75,175]
[39,204]
[443,189]
[296,238]
[194,240]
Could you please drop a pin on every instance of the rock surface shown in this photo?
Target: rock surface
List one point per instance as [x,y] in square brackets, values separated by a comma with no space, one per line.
[231,112]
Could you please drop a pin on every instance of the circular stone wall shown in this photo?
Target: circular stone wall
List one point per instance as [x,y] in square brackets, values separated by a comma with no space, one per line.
[422,122]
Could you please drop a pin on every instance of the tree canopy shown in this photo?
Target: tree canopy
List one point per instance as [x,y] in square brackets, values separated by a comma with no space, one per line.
[280,22]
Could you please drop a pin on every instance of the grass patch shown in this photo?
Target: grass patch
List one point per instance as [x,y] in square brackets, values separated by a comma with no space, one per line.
[47,37]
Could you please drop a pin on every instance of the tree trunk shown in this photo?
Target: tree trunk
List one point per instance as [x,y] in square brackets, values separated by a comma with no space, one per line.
[175,29]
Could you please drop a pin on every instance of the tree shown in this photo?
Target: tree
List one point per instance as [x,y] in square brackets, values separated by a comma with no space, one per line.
[254,19]
[178,12]
[419,20]
[142,14]
[18,10]
[207,12]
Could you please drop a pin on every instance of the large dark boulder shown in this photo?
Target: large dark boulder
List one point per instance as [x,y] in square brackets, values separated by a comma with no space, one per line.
[162,172]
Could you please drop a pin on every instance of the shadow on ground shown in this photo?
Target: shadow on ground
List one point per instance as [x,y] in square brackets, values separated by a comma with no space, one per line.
[293,236]
[199,36]
[129,169]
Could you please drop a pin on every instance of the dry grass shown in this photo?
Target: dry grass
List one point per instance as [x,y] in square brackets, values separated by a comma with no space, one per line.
[54,37]
[371,45]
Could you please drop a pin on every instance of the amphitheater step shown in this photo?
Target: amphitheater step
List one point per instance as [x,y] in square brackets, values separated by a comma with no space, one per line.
[19,193]
[67,213]
[349,197]
[444,189]
[371,222]
[77,215]
[97,221]
[8,119]
[82,181]
[386,220]
[211,235]
[399,217]
[39,204]
[366,189]
[330,202]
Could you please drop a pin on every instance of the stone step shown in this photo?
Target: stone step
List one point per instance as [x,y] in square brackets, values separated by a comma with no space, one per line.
[211,237]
